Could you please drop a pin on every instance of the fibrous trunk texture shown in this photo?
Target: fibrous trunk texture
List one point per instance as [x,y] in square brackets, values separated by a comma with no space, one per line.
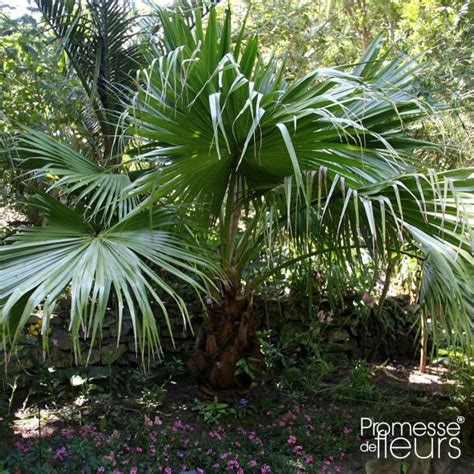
[227,337]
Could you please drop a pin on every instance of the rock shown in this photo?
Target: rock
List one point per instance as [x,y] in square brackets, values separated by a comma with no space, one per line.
[94,357]
[58,321]
[442,465]
[342,347]
[60,359]
[109,320]
[111,354]
[415,465]
[127,328]
[33,319]
[61,340]
[24,357]
[182,335]
[385,466]
[339,335]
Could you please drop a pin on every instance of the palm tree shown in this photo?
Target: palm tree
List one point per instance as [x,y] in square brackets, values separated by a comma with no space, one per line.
[100,40]
[327,159]
[97,248]
[326,162]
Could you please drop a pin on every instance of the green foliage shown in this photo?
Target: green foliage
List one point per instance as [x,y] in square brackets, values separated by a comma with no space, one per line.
[461,385]
[261,130]
[296,361]
[99,38]
[312,34]
[358,385]
[35,87]
[286,437]
[6,418]
[151,389]
[213,411]
[246,366]
[175,367]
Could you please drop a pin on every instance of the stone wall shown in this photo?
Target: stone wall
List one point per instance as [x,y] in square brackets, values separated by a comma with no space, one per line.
[344,337]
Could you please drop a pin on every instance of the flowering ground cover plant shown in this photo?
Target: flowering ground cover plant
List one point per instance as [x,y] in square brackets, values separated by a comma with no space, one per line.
[295,439]
[286,431]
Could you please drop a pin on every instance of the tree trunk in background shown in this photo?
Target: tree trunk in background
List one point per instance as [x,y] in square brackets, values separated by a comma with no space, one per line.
[424,343]
[227,337]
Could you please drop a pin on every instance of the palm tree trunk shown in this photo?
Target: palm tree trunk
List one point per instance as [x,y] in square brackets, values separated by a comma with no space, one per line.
[228,336]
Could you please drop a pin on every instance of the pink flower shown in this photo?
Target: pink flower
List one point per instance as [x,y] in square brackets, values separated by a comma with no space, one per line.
[115,435]
[253,463]
[298,449]
[86,430]
[133,470]
[157,421]
[215,435]
[265,469]
[347,430]
[292,440]
[61,453]
[22,447]
[168,470]
[101,469]
[309,459]
[232,463]
[328,461]
[111,458]
[67,433]
[368,300]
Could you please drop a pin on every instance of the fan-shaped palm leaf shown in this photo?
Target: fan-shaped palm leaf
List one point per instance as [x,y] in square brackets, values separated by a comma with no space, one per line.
[102,191]
[125,260]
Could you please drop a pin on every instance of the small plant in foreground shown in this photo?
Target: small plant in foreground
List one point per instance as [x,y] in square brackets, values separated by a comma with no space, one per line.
[358,385]
[212,412]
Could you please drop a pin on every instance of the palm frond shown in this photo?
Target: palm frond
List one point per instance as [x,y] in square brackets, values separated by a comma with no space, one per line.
[98,37]
[212,108]
[102,191]
[126,260]
[220,122]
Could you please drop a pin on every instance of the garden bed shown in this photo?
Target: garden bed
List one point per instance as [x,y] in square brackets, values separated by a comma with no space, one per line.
[151,427]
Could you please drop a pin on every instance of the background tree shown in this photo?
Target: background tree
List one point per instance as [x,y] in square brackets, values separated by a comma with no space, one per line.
[309,34]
